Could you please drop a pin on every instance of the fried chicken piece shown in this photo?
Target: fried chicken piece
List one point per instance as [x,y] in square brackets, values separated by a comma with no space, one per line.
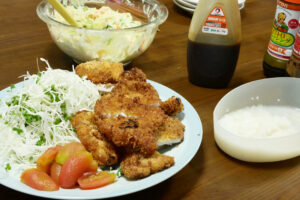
[100,71]
[171,132]
[103,151]
[129,125]
[133,74]
[172,106]
[143,91]
[136,165]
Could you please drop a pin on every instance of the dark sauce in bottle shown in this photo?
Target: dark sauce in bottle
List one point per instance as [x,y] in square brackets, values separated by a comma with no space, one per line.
[211,66]
[273,67]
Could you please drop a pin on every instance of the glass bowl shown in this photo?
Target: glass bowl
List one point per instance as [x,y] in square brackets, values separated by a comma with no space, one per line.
[115,45]
[271,92]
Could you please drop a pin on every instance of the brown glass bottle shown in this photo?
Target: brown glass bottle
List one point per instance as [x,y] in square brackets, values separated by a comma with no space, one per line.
[293,66]
[274,67]
[214,43]
[282,38]
[211,65]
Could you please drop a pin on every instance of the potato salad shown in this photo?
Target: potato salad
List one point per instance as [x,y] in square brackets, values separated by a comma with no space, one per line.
[103,18]
[103,34]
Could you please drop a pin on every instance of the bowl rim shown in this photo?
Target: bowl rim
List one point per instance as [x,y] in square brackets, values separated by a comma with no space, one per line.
[217,108]
[158,21]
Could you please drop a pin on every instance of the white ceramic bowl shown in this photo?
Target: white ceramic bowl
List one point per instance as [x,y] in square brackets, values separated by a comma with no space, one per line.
[273,91]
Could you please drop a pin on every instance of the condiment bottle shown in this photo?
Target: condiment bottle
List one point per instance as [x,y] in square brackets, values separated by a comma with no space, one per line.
[282,38]
[293,66]
[214,43]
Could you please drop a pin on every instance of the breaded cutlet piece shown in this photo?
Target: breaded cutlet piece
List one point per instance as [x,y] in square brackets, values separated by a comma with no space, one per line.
[134,74]
[172,106]
[100,71]
[126,132]
[103,151]
[136,165]
[171,132]
[143,91]
[115,104]
[128,123]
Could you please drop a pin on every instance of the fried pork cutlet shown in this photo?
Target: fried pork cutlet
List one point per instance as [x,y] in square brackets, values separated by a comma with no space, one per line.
[171,132]
[133,74]
[143,91]
[100,71]
[127,123]
[103,151]
[172,106]
[136,165]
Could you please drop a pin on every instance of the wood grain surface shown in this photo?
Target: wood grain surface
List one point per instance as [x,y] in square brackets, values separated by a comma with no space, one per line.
[211,174]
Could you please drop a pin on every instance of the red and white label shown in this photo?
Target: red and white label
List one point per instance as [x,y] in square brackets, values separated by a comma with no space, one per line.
[215,22]
[296,49]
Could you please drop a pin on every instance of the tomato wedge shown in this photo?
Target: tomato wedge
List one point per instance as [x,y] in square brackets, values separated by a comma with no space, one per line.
[68,150]
[74,167]
[92,180]
[55,172]
[38,179]
[46,159]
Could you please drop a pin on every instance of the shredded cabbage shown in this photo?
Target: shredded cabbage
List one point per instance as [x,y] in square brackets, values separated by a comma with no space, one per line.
[37,116]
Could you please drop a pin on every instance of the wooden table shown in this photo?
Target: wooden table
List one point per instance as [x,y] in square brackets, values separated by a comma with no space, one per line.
[211,174]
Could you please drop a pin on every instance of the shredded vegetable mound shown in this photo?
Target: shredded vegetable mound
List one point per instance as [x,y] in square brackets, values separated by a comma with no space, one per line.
[36,116]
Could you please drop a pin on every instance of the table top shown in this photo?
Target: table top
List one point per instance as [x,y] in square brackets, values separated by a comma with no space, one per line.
[211,174]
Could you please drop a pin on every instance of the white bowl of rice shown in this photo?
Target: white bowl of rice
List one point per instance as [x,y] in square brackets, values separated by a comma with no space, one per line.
[260,121]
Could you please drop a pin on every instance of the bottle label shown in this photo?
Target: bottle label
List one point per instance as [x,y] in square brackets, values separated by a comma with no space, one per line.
[296,49]
[215,22]
[283,32]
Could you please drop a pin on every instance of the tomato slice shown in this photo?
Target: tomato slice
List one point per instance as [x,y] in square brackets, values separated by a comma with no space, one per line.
[55,172]
[38,179]
[68,150]
[46,159]
[92,180]
[74,167]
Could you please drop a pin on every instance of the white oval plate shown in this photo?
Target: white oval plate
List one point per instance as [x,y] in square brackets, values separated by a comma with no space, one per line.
[190,5]
[196,1]
[182,153]
[186,4]
[190,10]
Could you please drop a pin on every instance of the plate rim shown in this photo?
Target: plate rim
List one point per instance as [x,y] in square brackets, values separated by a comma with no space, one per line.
[180,4]
[187,9]
[196,2]
[186,4]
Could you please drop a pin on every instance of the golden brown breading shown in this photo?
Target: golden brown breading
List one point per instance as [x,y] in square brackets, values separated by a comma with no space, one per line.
[100,71]
[113,105]
[172,106]
[135,165]
[171,132]
[143,91]
[128,123]
[130,116]
[103,151]
[133,74]
[125,132]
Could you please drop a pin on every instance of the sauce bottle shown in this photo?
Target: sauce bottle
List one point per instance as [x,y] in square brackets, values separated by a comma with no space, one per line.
[214,43]
[293,66]
[282,38]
